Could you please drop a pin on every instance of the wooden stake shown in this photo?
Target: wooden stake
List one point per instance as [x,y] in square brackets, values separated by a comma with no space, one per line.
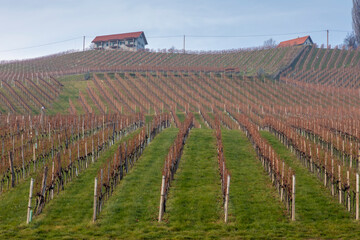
[43,184]
[325,179]
[92,150]
[282,181]
[34,157]
[293,199]
[227,198]
[95,200]
[52,179]
[28,219]
[340,193]
[86,155]
[332,176]
[357,198]
[11,163]
[101,179]
[162,198]
[22,155]
[348,191]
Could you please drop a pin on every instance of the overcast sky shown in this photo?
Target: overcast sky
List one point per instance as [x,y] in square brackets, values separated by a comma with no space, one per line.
[60,24]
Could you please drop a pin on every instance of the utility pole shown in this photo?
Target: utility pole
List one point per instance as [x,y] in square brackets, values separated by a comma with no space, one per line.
[84,43]
[327,33]
[184,44]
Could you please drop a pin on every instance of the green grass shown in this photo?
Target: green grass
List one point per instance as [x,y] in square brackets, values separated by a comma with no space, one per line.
[67,211]
[13,207]
[255,207]
[194,201]
[194,206]
[148,118]
[181,116]
[318,214]
[321,54]
[200,121]
[135,204]
[70,90]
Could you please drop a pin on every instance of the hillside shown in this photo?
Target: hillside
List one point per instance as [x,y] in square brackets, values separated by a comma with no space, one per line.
[249,60]
[133,145]
[331,67]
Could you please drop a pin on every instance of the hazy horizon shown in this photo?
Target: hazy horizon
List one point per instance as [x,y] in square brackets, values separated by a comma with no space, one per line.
[39,28]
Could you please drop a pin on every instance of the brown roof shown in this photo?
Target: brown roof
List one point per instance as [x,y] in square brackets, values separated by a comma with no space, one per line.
[120,36]
[294,42]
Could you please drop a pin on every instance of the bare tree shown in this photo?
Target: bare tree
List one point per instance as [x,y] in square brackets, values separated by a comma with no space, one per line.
[356,18]
[350,41]
[270,43]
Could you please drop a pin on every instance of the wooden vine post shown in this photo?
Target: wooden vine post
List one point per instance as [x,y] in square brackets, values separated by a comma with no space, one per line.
[22,155]
[34,157]
[325,173]
[348,191]
[227,198]
[29,212]
[52,180]
[92,150]
[340,193]
[86,155]
[293,199]
[95,200]
[357,198]
[11,164]
[162,198]
[41,197]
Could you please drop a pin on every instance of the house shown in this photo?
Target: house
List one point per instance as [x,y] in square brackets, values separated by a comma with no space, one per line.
[128,41]
[297,42]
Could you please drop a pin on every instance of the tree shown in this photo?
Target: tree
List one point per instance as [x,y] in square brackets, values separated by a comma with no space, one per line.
[270,43]
[350,41]
[356,19]
[92,46]
[172,49]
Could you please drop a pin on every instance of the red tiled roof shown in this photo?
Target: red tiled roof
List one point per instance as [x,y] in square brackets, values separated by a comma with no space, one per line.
[293,42]
[121,36]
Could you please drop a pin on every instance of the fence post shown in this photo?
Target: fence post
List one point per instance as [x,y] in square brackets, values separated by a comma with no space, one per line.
[227,198]
[348,191]
[11,164]
[340,193]
[22,155]
[357,197]
[92,150]
[95,200]
[293,199]
[28,219]
[86,155]
[162,198]
[52,179]
[34,157]
[282,181]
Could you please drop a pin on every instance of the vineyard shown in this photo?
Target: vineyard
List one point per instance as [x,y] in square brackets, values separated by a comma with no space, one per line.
[261,143]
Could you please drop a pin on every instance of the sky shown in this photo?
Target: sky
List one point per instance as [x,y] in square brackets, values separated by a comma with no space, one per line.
[33,28]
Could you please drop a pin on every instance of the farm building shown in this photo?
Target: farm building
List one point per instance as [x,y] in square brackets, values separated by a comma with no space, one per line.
[297,42]
[128,41]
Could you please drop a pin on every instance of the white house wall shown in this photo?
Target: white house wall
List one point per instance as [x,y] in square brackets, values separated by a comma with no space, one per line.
[139,44]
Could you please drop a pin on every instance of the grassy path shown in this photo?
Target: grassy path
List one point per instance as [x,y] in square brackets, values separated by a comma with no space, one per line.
[194,201]
[135,203]
[194,207]
[201,122]
[255,207]
[72,208]
[317,212]
[181,116]
[13,207]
